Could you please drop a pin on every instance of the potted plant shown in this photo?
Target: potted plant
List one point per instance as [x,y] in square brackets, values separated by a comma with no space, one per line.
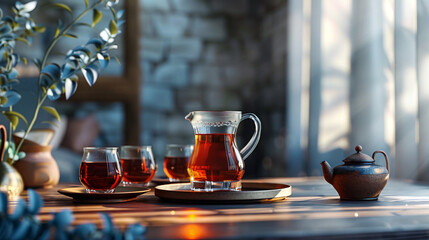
[54,78]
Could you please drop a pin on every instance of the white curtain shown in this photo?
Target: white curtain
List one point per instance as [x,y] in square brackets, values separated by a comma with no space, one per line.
[358,74]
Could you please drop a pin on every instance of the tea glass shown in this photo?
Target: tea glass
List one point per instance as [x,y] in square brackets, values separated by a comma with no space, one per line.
[138,165]
[100,170]
[217,164]
[176,162]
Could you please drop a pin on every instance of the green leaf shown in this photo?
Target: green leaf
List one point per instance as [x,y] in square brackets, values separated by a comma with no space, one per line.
[21,155]
[113,28]
[16,114]
[63,219]
[96,17]
[63,6]
[117,60]
[28,7]
[57,32]
[14,25]
[20,209]
[23,40]
[14,120]
[50,123]
[13,81]
[24,60]
[70,35]
[37,63]
[91,74]
[40,29]
[15,12]
[35,202]
[82,24]
[82,49]
[114,14]
[86,3]
[52,111]
[59,27]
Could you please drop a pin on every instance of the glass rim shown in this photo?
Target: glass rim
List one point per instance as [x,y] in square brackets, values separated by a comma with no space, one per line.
[179,145]
[217,111]
[100,148]
[136,147]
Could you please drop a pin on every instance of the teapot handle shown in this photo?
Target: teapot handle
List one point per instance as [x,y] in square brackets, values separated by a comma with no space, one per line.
[251,145]
[385,156]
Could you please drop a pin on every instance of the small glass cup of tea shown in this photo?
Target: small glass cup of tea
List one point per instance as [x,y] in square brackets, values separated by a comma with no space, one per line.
[100,170]
[176,162]
[138,164]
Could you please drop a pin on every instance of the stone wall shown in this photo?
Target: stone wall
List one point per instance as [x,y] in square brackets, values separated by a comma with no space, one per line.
[214,55]
[207,55]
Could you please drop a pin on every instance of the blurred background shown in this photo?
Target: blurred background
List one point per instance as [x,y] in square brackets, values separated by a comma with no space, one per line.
[323,77]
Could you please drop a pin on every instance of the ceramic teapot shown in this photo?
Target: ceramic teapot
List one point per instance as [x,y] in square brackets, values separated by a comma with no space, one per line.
[359,178]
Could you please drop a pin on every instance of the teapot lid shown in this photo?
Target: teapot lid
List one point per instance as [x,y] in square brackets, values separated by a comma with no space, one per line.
[358,157]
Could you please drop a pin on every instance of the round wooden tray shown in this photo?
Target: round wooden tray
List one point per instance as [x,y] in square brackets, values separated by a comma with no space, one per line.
[121,194]
[251,192]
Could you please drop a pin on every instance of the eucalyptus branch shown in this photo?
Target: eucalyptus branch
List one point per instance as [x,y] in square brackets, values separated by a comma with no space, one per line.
[30,126]
[63,32]
[53,79]
[23,223]
[41,99]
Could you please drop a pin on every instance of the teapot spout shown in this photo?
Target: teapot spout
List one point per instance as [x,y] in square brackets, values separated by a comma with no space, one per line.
[327,171]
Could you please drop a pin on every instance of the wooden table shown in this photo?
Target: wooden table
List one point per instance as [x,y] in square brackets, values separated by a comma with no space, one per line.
[313,210]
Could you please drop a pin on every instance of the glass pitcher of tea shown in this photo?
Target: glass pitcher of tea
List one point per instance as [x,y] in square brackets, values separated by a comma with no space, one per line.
[216,164]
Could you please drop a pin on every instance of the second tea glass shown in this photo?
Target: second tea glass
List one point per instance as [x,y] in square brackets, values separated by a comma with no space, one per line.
[100,170]
[138,164]
[176,162]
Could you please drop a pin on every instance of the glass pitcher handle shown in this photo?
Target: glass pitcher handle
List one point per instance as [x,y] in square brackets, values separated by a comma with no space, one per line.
[251,145]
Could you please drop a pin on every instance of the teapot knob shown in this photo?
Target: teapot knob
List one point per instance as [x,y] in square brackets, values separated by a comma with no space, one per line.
[358,148]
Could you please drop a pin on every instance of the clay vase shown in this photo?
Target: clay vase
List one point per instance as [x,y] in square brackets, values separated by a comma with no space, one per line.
[38,169]
[10,181]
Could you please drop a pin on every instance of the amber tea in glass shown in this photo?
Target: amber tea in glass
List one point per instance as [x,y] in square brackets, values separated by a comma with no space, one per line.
[138,164]
[100,171]
[176,162]
[209,149]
